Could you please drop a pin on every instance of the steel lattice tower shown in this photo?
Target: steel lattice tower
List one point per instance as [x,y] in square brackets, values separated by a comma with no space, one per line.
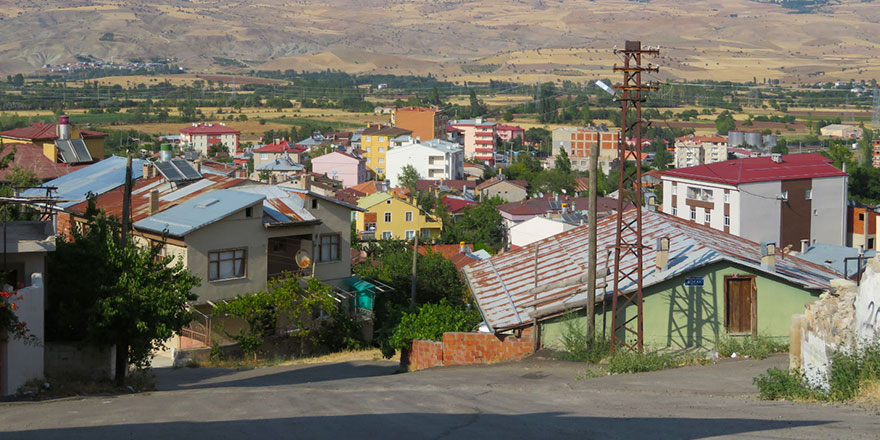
[629,231]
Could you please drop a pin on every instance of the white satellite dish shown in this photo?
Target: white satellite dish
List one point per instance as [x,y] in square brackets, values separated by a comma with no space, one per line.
[303,259]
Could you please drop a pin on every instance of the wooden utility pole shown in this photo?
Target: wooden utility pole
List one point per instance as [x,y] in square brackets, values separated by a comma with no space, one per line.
[415,261]
[126,203]
[591,262]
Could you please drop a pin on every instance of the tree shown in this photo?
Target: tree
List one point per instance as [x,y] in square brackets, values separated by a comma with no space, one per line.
[838,153]
[215,149]
[409,179]
[562,163]
[480,224]
[133,297]
[508,116]
[725,123]
[477,107]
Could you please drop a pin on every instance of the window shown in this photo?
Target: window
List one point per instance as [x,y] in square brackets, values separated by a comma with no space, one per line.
[249,211]
[381,160]
[674,189]
[386,235]
[409,216]
[314,203]
[381,138]
[227,264]
[264,156]
[726,220]
[426,233]
[708,217]
[367,139]
[785,196]
[368,160]
[328,248]
[701,194]
[369,149]
[387,217]
[381,149]
[861,216]
[809,195]
[726,197]
[693,214]
[410,235]
[675,211]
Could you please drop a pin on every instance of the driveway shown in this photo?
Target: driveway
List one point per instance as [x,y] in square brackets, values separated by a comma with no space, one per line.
[533,399]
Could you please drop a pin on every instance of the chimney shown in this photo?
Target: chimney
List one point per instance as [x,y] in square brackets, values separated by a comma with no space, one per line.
[768,255]
[154,202]
[662,248]
[776,157]
[147,169]
[462,248]
[198,165]
[805,244]
[63,127]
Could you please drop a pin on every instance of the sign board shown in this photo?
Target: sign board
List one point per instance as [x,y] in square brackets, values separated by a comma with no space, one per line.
[694,281]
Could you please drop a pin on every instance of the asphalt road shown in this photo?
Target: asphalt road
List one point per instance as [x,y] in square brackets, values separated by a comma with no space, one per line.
[532,399]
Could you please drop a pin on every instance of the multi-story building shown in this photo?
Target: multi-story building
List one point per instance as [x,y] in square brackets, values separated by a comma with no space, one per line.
[508,133]
[375,142]
[435,159]
[479,139]
[577,142]
[694,150]
[349,168]
[390,218]
[426,123]
[201,137]
[875,161]
[778,199]
[277,150]
[862,227]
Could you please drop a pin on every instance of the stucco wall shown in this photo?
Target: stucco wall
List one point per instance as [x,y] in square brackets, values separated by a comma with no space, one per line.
[334,219]
[829,210]
[506,190]
[20,361]
[759,213]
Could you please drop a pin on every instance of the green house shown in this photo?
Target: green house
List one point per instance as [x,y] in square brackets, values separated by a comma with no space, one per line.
[699,284]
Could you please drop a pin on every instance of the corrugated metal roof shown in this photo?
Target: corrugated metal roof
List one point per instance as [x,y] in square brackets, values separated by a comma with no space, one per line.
[198,212]
[502,284]
[373,199]
[280,205]
[832,257]
[98,178]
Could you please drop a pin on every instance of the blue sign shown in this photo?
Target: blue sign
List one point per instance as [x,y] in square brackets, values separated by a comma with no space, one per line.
[694,281]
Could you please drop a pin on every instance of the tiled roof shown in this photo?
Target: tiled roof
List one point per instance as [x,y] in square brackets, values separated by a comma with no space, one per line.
[508,128]
[45,131]
[520,183]
[281,147]
[459,184]
[30,157]
[375,130]
[760,169]
[369,187]
[484,123]
[503,285]
[451,252]
[549,203]
[349,195]
[701,139]
[457,204]
[208,128]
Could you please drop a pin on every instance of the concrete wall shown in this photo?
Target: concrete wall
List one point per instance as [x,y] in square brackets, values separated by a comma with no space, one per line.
[21,361]
[335,219]
[505,190]
[340,167]
[759,212]
[828,224]
[66,359]
[467,349]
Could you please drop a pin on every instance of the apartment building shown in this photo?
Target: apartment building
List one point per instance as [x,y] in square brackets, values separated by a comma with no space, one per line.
[695,150]
[435,159]
[577,142]
[782,199]
[201,137]
[426,123]
[875,160]
[375,142]
[479,139]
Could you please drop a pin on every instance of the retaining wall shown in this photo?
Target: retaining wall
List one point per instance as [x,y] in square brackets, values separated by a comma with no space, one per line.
[467,349]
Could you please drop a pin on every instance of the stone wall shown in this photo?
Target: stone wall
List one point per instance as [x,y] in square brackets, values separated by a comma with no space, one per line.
[467,349]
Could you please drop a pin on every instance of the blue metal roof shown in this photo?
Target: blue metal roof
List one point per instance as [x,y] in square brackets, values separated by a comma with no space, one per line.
[832,256]
[98,178]
[199,212]
[281,164]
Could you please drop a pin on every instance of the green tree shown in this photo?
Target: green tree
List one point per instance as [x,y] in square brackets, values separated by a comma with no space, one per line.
[725,123]
[215,149]
[133,297]
[839,153]
[409,179]
[508,116]
[481,225]
[477,107]
[562,162]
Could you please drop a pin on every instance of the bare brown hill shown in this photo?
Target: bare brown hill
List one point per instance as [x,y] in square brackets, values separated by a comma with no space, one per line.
[459,40]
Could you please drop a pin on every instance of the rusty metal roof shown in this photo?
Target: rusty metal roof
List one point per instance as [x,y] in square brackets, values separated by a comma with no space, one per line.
[504,286]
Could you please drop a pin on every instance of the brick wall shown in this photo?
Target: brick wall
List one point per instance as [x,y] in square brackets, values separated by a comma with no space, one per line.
[63,224]
[467,349]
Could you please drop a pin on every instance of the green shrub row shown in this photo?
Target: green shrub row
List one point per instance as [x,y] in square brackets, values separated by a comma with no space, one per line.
[849,373]
[758,347]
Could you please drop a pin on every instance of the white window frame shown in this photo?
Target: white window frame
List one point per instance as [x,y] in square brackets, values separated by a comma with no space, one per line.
[708,217]
[726,220]
[726,197]
[409,216]
[410,235]
[693,214]
[809,194]
[387,235]
[387,217]
[675,211]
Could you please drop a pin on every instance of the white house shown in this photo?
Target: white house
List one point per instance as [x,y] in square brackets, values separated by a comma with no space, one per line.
[200,137]
[434,160]
[779,199]
[538,228]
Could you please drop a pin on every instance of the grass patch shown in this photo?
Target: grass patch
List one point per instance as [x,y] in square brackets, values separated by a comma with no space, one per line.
[313,122]
[758,347]
[576,345]
[640,362]
[851,375]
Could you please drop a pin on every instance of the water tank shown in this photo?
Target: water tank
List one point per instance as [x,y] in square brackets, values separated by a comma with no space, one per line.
[165,153]
[754,139]
[63,127]
[735,138]
[769,140]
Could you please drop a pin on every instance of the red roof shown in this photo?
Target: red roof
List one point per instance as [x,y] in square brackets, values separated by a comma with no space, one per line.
[549,204]
[349,195]
[508,128]
[30,157]
[701,139]
[451,252]
[45,132]
[456,205]
[281,147]
[521,183]
[761,169]
[208,129]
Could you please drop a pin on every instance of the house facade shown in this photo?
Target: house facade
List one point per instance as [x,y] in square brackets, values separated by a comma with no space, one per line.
[434,160]
[479,139]
[270,152]
[694,150]
[841,131]
[577,142]
[509,190]
[508,133]
[202,136]
[425,123]
[375,142]
[386,217]
[779,199]
[348,168]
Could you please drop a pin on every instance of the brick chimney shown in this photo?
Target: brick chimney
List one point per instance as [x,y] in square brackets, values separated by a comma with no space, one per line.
[154,202]
[768,255]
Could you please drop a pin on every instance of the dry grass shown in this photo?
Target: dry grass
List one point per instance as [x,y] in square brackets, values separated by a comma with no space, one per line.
[343,356]
[869,397]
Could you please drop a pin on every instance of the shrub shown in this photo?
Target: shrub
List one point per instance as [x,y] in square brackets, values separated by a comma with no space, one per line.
[777,383]
[758,348]
[341,332]
[850,373]
[576,346]
[431,321]
[639,362]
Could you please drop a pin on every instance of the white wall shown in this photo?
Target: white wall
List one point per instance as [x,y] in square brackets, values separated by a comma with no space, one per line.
[828,224]
[535,229]
[450,167]
[760,212]
[21,361]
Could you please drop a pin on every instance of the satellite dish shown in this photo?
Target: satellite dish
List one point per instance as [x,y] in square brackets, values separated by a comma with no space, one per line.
[303,259]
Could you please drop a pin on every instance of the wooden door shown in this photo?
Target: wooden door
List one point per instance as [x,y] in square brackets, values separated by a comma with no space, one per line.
[739,305]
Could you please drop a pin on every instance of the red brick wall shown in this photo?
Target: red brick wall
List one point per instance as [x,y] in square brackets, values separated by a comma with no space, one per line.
[63,224]
[468,349]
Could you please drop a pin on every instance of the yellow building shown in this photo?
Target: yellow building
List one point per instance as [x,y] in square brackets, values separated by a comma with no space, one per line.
[375,141]
[388,217]
[46,134]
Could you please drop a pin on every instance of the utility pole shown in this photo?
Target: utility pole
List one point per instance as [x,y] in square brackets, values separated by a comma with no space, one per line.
[628,240]
[591,262]
[126,203]
[415,261]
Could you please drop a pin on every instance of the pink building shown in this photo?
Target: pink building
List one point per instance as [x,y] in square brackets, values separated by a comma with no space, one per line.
[479,139]
[509,132]
[345,167]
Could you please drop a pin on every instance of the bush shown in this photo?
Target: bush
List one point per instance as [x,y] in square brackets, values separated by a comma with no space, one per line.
[758,348]
[575,343]
[341,332]
[640,362]
[850,373]
[431,321]
[777,383]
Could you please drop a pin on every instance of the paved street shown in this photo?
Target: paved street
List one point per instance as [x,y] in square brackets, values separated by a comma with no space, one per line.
[532,399]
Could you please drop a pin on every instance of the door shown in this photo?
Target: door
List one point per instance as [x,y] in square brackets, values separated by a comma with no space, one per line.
[740,305]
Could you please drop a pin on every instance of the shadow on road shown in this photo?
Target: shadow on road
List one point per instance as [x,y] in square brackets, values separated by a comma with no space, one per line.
[201,378]
[430,425]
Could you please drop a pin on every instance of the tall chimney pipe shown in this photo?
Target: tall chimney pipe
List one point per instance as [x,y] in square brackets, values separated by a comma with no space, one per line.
[768,255]
[154,202]
[662,248]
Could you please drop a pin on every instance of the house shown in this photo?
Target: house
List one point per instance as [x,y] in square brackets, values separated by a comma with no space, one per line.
[387,217]
[539,228]
[434,159]
[30,157]
[841,259]
[861,229]
[577,142]
[271,152]
[552,205]
[98,178]
[278,170]
[473,171]
[875,157]
[841,131]
[509,190]
[425,123]
[479,139]
[699,284]
[314,182]
[779,199]
[692,150]
[61,142]
[371,187]
[348,168]
[507,133]
[440,187]
[202,136]
[457,205]
[375,141]
[26,245]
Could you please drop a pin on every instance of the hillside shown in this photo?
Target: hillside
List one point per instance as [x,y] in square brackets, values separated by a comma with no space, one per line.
[458,40]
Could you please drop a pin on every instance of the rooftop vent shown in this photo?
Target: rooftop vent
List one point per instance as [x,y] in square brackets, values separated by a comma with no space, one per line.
[776,157]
